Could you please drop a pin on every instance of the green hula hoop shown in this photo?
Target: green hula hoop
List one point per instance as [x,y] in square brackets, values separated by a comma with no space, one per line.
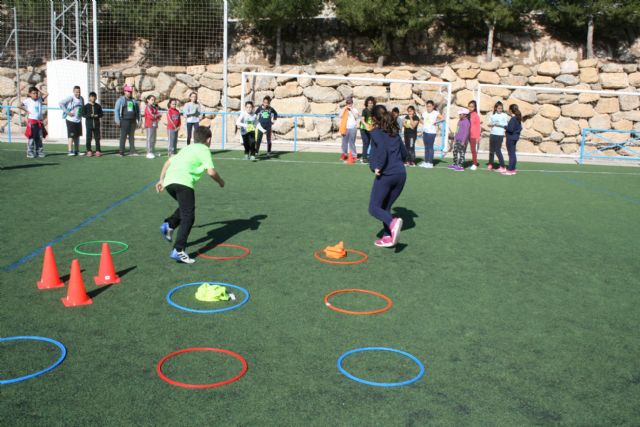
[78,246]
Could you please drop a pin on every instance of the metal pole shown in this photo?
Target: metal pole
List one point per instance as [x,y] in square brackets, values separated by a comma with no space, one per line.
[16,47]
[52,17]
[96,65]
[446,122]
[225,70]
[78,39]
[295,134]
[584,139]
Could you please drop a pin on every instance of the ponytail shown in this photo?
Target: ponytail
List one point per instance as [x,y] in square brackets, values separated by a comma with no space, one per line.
[384,121]
[516,111]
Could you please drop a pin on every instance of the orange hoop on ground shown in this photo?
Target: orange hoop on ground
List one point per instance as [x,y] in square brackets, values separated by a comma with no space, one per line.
[364,291]
[246,253]
[364,256]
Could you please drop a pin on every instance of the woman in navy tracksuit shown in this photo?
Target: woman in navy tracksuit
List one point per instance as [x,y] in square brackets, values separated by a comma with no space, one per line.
[387,158]
[514,127]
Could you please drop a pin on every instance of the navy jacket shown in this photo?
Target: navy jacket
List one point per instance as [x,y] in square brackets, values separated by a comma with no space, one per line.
[513,129]
[388,153]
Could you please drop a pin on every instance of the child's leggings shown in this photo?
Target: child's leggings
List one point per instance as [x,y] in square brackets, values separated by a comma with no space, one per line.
[459,150]
[410,143]
[249,142]
[511,149]
[190,130]
[93,132]
[474,142]
[151,139]
[386,190]
[173,140]
[259,141]
[495,147]
[349,142]
[429,140]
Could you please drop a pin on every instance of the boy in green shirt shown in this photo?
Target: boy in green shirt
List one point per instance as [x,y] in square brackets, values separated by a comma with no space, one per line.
[179,175]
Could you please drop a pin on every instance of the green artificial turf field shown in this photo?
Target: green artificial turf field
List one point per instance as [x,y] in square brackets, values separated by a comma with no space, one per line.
[519,294]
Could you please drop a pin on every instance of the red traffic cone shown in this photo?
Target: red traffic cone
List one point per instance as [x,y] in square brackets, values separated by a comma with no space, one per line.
[50,278]
[351,160]
[107,274]
[77,294]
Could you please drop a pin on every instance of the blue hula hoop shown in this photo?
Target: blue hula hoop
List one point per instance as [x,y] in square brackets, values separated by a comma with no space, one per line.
[219,310]
[63,354]
[377,384]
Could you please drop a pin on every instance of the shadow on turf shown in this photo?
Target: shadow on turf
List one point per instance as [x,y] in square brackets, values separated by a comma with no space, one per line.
[227,231]
[28,166]
[97,291]
[408,223]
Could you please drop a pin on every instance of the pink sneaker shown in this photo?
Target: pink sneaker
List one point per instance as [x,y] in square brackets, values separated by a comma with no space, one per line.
[385,242]
[501,170]
[490,167]
[396,227]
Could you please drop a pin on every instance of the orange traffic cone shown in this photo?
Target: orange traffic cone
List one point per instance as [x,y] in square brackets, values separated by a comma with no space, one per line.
[50,278]
[107,274]
[77,294]
[351,160]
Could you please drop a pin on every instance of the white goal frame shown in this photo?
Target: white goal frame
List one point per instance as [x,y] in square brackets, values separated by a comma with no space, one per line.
[447,85]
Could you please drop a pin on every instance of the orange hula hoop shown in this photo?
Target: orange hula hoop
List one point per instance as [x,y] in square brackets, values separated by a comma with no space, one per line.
[364,256]
[246,253]
[364,291]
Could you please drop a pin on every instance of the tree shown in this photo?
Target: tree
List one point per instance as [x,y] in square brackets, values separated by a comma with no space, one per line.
[578,13]
[386,18]
[487,15]
[275,14]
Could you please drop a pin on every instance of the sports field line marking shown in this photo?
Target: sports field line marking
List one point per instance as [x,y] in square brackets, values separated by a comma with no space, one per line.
[440,168]
[83,224]
[602,190]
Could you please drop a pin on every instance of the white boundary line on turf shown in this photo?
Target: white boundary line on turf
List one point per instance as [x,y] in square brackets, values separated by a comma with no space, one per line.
[312,162]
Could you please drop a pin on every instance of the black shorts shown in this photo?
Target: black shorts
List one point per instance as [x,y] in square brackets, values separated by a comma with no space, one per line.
[74,129]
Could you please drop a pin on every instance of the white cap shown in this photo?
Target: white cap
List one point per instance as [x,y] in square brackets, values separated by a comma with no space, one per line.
[463,111]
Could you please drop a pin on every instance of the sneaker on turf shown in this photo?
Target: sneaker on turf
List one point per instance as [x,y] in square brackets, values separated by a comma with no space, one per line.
[429,166]
[396,227]
[150,156]
[246,157]
[98,154]
[182,257]
[489,167]
[41,154]
[473,167]
[252,158]
[30,156]
[501,169]
[71,154]
[167,232]
[385,242]
[458,168]
[343,157]
[451,166]
[89,153]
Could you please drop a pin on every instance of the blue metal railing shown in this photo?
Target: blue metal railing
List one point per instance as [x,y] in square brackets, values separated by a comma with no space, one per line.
[608,144]
[225,115]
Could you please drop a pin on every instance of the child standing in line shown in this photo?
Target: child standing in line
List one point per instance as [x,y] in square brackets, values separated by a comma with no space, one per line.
[499,121]
[410,125]
[388,154]
[474,133]
[366,125]
[461,140]
[348,124]
[92,114]
[266,116]
[395,113]
[514,127]
[72,108]
[430,119]
[151,118]
[35,131]
[192,112]
[247,124]
[173,126]
[126,115]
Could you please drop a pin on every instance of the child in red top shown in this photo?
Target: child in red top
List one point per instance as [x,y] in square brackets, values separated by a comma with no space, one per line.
[151,118]
[173,125]
[474,133]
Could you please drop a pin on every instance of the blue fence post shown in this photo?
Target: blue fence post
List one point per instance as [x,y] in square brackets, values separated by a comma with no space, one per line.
[444,140]
[9,123]
[224,130]
[584,139]
[295,134]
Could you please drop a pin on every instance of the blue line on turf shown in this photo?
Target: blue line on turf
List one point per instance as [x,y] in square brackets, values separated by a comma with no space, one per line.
[602,190]
[83,224]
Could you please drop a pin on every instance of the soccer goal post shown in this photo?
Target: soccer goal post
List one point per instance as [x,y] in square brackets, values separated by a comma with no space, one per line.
[309,104]
[569,121]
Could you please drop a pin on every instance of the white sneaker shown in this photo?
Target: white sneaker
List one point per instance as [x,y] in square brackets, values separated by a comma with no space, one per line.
[473,167]
[246,157]
[252,158]
[429,166]
[150,156]
[182,257]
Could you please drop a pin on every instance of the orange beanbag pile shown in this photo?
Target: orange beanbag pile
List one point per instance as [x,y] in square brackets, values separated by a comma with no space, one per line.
[335,252]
